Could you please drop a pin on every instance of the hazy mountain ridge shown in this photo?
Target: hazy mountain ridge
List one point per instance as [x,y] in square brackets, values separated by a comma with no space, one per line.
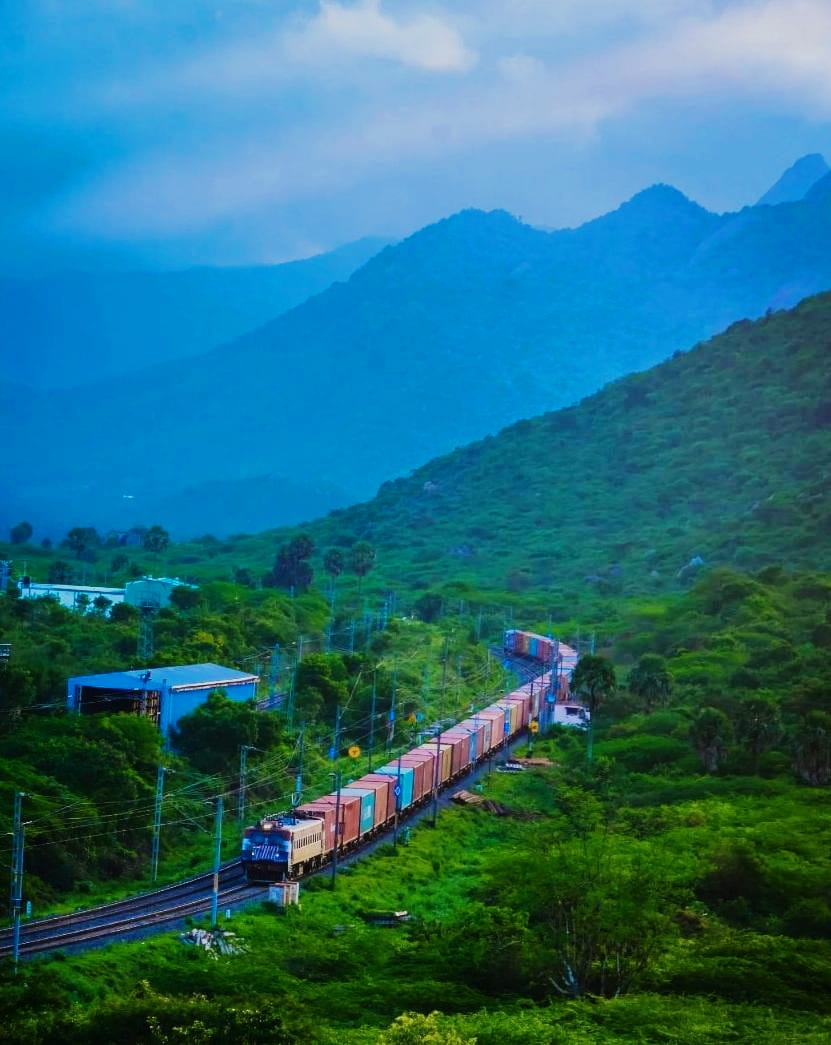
[72,328]
[462,328]
[797,181]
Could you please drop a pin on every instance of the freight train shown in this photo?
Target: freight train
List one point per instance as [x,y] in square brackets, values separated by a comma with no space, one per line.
[289,845]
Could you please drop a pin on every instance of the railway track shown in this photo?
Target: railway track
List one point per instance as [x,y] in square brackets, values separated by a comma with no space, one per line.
[134,914]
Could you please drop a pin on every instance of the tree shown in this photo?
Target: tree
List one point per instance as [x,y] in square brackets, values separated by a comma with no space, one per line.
[291,567]
[416,1029]
[82,540]
[155,540]
[593,680]
[711,734]
[757,724]
[21,533]
[812,749]
[361,560]
[119,562]
[651,681]
[211,735]
[334,563]
[60,572]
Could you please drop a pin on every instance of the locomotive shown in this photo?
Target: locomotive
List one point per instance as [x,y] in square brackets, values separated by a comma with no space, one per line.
[288,845]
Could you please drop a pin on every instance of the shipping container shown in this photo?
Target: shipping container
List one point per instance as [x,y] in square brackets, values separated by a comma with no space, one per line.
[481,728]
[463,738]
[350,816]
[382,787]
[321,810]
[497,717]
[367,797]
[403,782]
[458,754]
[422,766]
[533,644]
[445,759]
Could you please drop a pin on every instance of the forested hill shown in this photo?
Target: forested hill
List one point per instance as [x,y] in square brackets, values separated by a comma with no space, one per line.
[465,327]
[721,453]
[70,328]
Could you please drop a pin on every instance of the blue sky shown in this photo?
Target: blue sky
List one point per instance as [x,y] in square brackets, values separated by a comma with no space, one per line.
[164,134]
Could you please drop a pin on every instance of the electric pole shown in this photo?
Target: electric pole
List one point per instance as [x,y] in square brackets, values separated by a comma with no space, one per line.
[243,778]
[19,830]
[298,778]
[338,832]
[372,716]
[157,823]
[217,862]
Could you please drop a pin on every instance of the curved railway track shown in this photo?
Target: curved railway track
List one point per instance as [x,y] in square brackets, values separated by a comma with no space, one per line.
[134,914]
[171,904]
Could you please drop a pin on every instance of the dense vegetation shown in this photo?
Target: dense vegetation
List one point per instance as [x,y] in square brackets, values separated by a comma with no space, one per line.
[689,894]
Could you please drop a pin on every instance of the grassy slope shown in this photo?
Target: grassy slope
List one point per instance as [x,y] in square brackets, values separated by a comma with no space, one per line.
[721,452]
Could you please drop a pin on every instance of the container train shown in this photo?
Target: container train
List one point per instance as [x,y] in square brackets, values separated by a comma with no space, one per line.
[288,845]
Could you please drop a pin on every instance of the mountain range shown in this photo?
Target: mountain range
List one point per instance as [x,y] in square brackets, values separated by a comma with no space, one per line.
[64,329]
[464,327]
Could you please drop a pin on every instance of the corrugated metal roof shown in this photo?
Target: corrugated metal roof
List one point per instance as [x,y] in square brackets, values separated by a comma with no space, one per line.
[183,676]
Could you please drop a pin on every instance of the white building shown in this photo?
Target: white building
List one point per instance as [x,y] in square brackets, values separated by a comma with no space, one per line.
[72,596]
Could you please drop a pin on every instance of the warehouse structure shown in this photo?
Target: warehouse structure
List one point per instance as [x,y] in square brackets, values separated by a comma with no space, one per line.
[162,694]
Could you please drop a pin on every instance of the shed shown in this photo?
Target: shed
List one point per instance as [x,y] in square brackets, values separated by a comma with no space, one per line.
[163,694]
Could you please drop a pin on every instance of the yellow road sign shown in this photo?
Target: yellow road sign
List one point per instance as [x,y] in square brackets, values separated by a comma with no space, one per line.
[354,751]
[534,727]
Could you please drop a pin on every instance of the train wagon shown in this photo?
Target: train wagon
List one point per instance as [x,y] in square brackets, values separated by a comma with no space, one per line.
[382,787]
[445,753]
[403,782]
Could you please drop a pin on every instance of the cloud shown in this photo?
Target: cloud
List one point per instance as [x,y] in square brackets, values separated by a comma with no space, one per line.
[769,52]
[421,41]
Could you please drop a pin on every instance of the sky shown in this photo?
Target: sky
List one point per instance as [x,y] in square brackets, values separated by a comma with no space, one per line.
[168,133]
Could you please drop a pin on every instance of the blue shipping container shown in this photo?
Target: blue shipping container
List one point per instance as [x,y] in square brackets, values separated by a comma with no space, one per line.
[405,798]
[367,796]
[533,647]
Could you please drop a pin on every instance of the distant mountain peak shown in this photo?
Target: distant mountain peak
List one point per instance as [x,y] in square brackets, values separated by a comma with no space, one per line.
[662,200]
[797,181]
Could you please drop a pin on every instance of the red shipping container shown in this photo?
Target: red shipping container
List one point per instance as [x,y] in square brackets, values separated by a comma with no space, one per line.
[456,744]
[382,790]
[461,739]
[429,757]
[385,799]
[350,815]
[445,760]
[497,717]
[321,811]
[422,780]
[522,702]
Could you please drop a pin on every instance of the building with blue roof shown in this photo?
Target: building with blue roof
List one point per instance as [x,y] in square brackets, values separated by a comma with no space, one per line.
[163,694]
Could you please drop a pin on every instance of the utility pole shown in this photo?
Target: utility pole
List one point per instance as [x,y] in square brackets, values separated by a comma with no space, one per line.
[352,635]
[217,862]
[391,722]
[298,778]
[243,778]
[18,836]
[335,750]
[338,832]
[274,669]
[397,803]
[157,823]
[372,716]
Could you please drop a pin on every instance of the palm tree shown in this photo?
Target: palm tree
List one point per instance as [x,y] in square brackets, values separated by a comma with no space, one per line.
[651,681]
[711,733]
[812,749]
[757,724]
[593,681]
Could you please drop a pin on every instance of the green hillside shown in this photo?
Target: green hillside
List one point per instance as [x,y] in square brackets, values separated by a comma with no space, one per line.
[722,452]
